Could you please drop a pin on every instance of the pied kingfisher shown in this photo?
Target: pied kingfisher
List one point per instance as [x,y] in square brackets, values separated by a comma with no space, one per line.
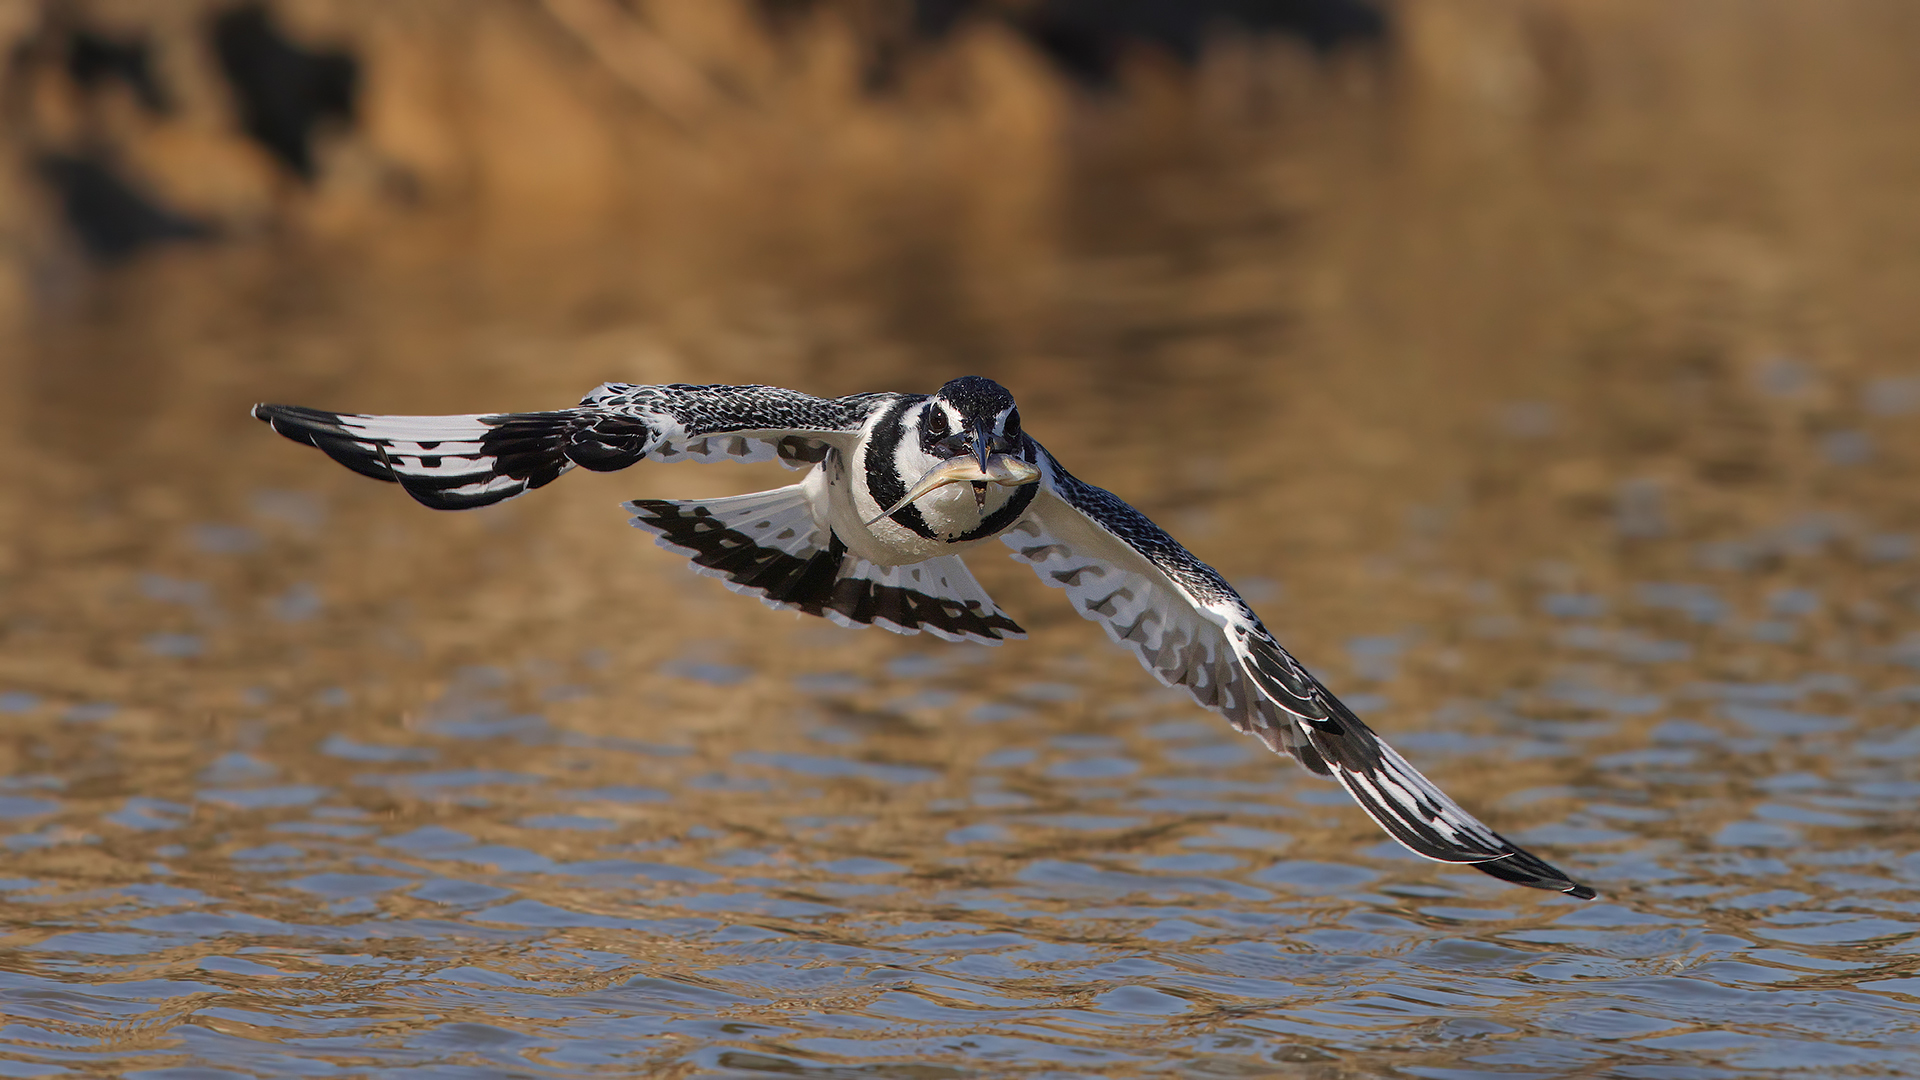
[896,486]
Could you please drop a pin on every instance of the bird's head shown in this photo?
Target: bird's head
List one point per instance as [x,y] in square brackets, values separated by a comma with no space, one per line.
[971,416]
[971,429]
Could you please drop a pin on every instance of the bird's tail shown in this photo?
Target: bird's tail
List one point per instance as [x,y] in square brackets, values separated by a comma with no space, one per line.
[768,545]
[460,462]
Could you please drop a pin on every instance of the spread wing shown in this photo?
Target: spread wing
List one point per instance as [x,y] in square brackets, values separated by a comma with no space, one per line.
[1189,628]
[460,462]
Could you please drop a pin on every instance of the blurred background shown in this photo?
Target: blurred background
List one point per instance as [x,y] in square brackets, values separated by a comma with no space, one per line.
[1544,371]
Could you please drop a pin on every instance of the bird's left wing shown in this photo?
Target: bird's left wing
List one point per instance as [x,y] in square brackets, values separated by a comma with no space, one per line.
[1190,628]
[459,462]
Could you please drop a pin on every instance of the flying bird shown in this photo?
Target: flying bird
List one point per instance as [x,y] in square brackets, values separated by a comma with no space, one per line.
[897,486]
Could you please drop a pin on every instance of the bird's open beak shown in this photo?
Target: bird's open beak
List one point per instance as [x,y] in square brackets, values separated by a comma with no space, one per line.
[982,444]
[984,468]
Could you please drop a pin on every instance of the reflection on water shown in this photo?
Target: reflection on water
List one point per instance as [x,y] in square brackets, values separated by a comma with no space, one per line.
[1582,463]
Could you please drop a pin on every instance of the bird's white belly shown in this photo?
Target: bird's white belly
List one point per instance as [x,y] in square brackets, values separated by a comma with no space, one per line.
[949,512]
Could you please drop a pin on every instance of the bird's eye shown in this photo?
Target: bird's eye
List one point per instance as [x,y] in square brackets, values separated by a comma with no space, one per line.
[1013,424]
[935,424]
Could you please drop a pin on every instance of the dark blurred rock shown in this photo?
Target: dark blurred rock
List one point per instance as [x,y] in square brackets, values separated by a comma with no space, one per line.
[933,18]
[1087,38]
[93,60]
[285,91]
[111,219]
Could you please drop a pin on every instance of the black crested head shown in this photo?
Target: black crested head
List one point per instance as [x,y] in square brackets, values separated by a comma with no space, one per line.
[970,415]
[976,397]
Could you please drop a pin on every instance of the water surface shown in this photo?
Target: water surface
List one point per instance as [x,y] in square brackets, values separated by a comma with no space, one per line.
[1578,456]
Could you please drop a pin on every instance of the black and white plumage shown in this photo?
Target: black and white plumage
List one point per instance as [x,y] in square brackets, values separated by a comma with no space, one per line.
[896,487]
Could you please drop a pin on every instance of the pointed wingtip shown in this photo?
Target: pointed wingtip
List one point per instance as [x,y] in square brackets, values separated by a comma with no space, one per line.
[1522,867]
[284,418]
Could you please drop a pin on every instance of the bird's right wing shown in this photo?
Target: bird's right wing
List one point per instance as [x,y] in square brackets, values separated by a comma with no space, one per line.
[459,462]
[1190,629]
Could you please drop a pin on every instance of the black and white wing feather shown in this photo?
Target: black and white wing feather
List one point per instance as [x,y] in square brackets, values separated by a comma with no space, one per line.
[460,462]
[1189,628]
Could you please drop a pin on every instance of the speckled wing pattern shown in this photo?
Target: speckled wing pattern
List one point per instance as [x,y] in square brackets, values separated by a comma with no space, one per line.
[460,462]
[1189,627]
